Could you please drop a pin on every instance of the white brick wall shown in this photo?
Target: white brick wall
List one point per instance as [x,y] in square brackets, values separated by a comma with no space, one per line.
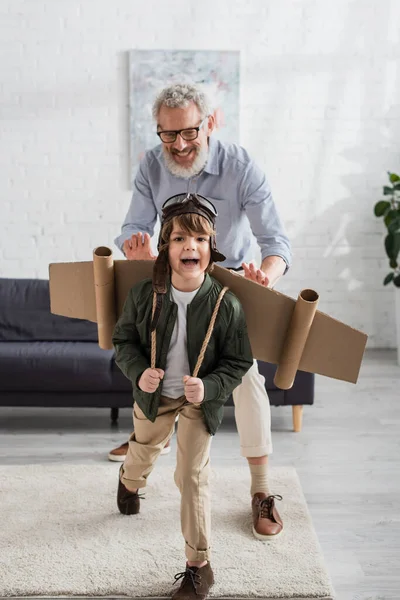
[320,111]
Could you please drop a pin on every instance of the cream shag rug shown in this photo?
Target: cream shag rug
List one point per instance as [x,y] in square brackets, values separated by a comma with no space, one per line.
[62,535]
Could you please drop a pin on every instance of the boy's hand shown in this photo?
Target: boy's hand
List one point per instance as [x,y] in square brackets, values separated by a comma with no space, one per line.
[194,389]
[150,380]
[138,247]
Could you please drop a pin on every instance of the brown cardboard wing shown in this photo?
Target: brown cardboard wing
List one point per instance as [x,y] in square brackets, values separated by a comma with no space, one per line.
[72,290]
[290,333]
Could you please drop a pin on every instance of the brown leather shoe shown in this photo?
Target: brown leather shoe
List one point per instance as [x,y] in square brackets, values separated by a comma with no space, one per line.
[267,523]
[196,582]
[128,502]
[119,454]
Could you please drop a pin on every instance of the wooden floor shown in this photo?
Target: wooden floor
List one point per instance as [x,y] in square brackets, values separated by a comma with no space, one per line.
[347,457]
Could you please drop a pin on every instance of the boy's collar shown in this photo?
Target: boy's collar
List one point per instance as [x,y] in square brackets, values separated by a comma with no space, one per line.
[202,292]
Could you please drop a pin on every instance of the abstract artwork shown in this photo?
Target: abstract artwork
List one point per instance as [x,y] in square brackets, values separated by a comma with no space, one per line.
[151,70]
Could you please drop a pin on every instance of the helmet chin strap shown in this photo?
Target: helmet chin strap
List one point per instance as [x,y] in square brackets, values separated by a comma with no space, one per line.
[161,270]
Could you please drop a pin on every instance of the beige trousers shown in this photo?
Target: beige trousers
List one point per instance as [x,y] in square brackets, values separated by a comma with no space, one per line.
[192,466]
[253,414]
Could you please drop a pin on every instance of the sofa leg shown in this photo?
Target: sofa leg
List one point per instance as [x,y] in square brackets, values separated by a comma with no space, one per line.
[297,412]
[114,415]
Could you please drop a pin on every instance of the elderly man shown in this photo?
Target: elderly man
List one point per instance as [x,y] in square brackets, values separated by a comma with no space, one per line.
[190,158]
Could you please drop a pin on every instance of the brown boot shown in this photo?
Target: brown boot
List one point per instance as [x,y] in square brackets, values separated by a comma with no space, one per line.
[267,523]
[128,502]
[196,582]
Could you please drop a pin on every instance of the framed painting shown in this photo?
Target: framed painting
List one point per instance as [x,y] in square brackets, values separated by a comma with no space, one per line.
[151,70]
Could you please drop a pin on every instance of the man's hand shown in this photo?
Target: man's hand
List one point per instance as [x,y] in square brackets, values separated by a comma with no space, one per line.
[194,389]
[150,380]
[251,272]
[138,247]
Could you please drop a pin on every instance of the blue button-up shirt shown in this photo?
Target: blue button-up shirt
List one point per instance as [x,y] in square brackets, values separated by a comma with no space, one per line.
[234,184]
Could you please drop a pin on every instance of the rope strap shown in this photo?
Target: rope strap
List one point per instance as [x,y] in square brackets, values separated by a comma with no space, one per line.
[153,335]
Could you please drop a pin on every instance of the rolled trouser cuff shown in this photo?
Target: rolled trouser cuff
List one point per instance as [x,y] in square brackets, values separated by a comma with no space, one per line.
[196,555]
[256,451]
[132,484]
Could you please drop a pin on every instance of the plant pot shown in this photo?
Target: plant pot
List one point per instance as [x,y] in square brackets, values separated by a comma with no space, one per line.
[397,309]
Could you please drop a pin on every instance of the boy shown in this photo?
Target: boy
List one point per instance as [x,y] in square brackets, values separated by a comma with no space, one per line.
[174,327]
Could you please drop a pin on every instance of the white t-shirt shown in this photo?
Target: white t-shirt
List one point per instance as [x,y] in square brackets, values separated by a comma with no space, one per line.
[177,359]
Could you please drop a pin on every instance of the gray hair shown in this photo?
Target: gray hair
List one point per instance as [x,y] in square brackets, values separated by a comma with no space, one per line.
[179,95]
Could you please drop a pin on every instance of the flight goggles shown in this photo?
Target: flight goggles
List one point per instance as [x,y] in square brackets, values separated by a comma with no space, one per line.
[178,202]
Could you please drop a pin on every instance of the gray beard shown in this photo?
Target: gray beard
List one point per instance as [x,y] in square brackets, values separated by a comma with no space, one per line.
[197,166]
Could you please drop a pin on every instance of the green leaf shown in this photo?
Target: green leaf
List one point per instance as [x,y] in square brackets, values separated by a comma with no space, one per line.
[381,207]
[394,225]
[393,263]
[396,281]
[389,217]
[388,278]
[387,191]
[392,245]
[393,177]
[389,245]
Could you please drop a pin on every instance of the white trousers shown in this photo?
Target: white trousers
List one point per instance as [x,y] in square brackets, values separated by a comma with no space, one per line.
[253,415]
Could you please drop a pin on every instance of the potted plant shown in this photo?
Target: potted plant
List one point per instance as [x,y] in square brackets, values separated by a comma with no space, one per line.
[389,209]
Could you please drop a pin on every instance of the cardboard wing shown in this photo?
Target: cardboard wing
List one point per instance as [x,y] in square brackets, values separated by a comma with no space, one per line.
[290,333]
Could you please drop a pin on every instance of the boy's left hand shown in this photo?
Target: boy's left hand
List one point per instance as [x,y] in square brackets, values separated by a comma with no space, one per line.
[194,389]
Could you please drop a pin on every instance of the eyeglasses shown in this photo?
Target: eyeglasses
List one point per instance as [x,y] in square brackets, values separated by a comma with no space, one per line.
[188,134]
[195,198]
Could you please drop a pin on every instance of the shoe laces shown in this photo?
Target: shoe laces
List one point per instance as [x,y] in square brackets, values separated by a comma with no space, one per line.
[267,505]
[129,495]
[190,575]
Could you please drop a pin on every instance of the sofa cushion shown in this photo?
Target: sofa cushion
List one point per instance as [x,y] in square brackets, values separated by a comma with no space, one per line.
[57,367]
[25,315]
[120,383]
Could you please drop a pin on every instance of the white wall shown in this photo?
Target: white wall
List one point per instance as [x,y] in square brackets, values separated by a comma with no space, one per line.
[320,112]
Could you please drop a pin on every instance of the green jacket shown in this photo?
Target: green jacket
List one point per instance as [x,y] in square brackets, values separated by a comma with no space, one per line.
[227,358]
